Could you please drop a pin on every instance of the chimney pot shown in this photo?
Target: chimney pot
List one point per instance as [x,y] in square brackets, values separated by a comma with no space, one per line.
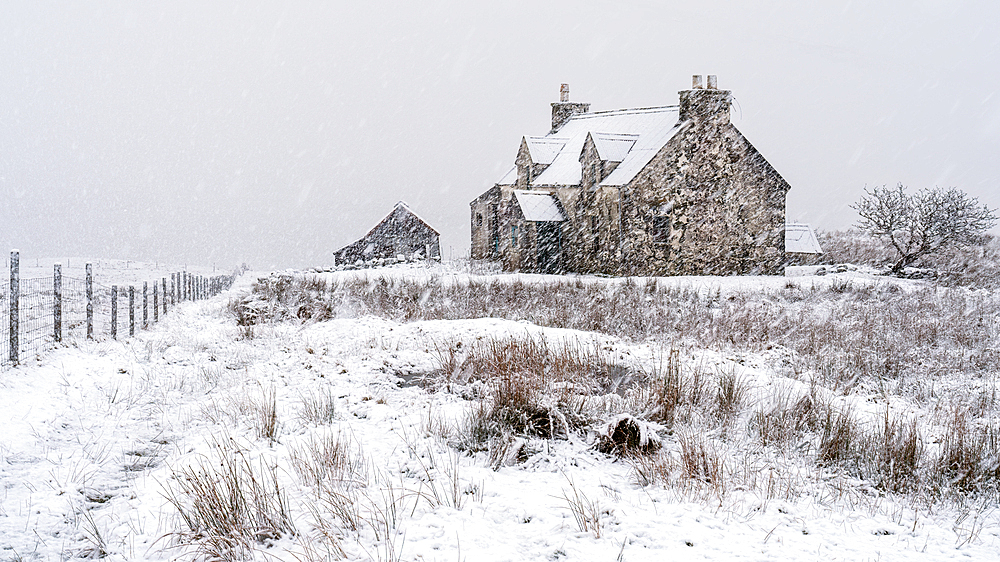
[564,92]
[696,82]
[713,82]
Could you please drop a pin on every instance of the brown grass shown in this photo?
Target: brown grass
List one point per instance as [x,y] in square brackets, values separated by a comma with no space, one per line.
[228,504]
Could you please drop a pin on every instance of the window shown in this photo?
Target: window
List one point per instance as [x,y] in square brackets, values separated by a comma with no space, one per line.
[479,219]
[661,229]
[594,234]
[513,235]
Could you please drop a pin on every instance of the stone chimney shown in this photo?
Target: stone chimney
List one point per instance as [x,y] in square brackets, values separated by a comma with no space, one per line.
[563,109]
[704,104]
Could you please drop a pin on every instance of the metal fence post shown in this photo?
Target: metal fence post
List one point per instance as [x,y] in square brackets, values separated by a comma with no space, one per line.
[114,312]
[131,310]
[90,302]
[57,302]
[15,292]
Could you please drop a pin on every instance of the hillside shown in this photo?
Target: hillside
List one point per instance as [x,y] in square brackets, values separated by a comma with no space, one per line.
[431,414]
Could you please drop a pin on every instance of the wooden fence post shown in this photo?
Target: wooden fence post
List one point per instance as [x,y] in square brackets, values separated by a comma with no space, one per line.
[114,312]
[14,307]
[164,279]
[156,302]
[90,301]
[131,310]
[145,305]
[57,302]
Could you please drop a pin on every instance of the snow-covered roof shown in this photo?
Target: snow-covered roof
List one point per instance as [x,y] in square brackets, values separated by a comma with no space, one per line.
[544,149]
[629,136]
[403,207]
[613,147]
[510,178]
[539,206]
[800,239]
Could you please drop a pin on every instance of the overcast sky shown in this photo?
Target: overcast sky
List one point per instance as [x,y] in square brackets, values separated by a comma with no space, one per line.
[274,133]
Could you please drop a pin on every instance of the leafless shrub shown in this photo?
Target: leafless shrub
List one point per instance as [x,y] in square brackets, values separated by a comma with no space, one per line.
[925,222]
[853,247]
[228,504]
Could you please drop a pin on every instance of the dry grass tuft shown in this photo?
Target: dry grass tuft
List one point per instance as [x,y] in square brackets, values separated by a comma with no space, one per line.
[968,456]
[586,512]
[228,504]
[700,460]
[318,408]
[264,414]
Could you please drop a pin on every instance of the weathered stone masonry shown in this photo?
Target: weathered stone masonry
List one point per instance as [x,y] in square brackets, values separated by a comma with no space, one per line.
[692,197]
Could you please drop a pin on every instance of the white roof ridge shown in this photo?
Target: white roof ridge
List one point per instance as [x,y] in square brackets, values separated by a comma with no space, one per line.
[653,109]
[630,135]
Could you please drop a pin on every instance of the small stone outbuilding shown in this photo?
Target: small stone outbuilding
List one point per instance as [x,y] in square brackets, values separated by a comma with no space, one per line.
[401,233]
[672,190]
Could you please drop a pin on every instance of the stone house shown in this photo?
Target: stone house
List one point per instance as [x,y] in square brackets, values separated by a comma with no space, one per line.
[672,190]
[401,233]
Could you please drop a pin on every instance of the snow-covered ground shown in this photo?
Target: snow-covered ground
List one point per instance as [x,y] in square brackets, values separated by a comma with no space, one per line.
[93,436]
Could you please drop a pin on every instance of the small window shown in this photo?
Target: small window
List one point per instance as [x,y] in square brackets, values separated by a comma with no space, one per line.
[513,235]
[479,219]
[661,229]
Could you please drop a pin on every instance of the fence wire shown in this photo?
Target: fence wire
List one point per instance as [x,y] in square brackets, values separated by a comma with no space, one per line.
[36,306]
[35,325]
[4,323]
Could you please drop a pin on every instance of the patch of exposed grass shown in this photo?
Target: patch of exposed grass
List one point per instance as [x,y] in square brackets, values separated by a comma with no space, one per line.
[228,504]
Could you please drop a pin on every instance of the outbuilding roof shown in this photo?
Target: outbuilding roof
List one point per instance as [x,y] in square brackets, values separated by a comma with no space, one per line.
[800,239]
[539,206]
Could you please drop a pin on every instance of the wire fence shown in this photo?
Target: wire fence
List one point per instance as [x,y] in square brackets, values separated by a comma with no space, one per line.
[39,313]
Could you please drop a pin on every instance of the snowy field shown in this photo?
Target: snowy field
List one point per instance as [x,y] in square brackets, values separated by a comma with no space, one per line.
[106,445]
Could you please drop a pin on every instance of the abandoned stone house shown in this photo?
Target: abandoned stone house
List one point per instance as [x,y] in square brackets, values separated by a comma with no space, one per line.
[673,190]
[400,233]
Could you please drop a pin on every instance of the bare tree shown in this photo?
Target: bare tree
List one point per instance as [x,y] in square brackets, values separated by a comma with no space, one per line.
[924,222]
